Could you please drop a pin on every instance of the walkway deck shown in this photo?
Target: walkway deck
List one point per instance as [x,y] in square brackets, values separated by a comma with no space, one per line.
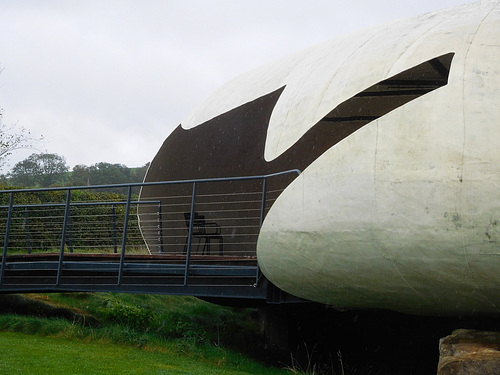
[215,277]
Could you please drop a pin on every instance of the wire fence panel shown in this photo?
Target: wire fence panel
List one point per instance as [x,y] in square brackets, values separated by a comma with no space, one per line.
[94,225]
[228,214]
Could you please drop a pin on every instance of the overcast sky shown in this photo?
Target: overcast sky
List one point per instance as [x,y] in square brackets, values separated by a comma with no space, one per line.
[109,80]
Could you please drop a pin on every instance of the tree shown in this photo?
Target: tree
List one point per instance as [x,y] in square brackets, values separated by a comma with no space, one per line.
[13,138]
[138,174]
[81,175]
[100,174]
[40,170]
[106,173]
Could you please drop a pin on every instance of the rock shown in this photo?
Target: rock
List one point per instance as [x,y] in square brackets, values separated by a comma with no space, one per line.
[469,352]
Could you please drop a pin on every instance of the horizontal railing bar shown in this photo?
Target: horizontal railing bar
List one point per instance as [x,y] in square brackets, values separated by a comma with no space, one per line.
[77,204]
[229,194]
[141,184]
[227,202]
[157,268]
[187,198]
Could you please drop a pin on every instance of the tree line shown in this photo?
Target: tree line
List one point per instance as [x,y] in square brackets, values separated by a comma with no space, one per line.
[37,227]
[40,170]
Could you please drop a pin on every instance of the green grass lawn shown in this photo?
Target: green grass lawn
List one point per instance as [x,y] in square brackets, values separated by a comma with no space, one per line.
[28,354]
[126,334]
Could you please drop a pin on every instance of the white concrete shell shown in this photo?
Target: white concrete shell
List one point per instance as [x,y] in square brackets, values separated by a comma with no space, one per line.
[404,214]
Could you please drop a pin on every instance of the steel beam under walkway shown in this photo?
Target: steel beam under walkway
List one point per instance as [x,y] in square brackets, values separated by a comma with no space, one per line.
[230,279]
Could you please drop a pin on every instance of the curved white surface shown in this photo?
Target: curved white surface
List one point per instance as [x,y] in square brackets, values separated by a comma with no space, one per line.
[404,214]
[321,77]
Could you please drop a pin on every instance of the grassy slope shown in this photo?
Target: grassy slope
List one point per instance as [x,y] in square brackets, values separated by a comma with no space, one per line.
[136,334]
[26,354]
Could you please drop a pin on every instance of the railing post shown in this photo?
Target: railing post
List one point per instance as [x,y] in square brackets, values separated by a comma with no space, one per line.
[160,229]
[27,226]
[63,237]
[124,239]
[262,216]
[263,201]
[190,235]
[115,242]
[6,239]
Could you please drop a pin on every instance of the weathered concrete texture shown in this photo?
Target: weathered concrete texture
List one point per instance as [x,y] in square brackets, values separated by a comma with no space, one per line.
[468,352]
[398,215]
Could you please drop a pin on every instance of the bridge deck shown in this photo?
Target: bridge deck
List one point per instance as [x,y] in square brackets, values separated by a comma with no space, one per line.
[207,276]
[136,258]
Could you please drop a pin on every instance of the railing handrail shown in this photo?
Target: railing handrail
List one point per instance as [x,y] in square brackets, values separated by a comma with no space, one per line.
[141,184]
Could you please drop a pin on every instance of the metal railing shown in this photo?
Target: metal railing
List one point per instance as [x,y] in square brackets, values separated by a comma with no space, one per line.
[204,228]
